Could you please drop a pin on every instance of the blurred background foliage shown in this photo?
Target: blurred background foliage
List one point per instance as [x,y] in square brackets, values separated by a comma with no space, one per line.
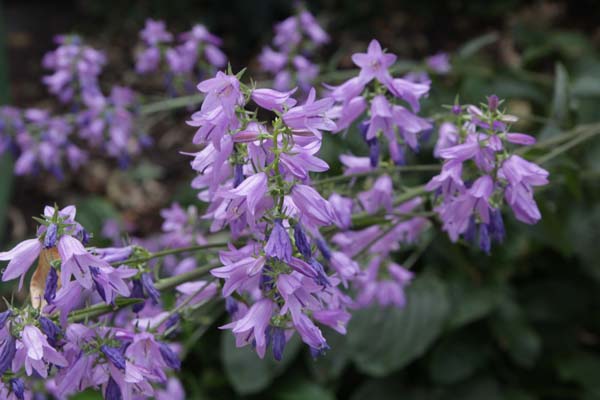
[520,324]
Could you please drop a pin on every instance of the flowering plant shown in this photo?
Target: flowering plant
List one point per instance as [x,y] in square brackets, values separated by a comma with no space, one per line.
[276,248]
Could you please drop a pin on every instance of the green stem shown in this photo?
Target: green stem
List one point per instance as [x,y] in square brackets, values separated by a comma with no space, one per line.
[100,309]
[377,238]
[414,257]
[410,194]
[184,303]
[171,282]
[169,252]
[120,302]
[561,138]
[171,104]
[567,146]
[399,168]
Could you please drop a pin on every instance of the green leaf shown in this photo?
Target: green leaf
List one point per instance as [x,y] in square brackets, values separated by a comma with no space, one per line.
[92,213]
[382,340]
[89,394]
[476,389]
[331,365]
[457,357]
[581,369]
[560,102]
[302,390]
[474,45]
[583,231]
[516,335]
[388,389]
[470,302]
[246,371]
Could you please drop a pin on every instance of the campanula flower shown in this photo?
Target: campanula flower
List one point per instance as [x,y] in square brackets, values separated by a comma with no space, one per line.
[252,327]
[273,100]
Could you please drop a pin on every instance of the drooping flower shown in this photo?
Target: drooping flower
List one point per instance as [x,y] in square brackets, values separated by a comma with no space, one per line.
[279,245]
[76,261]
[222,90]
[253,189]
[252,327]
[522,176]
[457,212]
[273,100]
[386,292]
[21,257]
[34,351]
[313,209]
[448,137]
[311,116]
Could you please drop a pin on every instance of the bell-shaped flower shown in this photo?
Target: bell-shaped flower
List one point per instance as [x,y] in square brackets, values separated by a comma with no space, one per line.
[273,100]
[252,327]
[379,196]
[252,190]
[312,209]
[448,137]
[34,351]
[381,118]
[312,116]
[521,176]
[20,259]
[279,245]
[76,261]
[238,273]
[449,180]
[222,90]
[456,213]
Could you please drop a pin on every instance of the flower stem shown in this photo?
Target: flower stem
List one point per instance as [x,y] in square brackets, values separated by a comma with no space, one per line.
[582,137]
[171,282]
[399,168]
[169,252]
[184,303]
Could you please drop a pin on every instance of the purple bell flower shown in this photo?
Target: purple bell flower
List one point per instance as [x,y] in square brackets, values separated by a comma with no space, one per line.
[149,288]
[8,350]
[112,391]
[169,356]
[18,388]
[115,356]
[50,237]
[278,343]
[279,245]
[302,243]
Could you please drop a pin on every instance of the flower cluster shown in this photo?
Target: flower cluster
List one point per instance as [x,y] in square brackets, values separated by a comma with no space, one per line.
[197,53]
[480,171]
[256,178]
[377,98]
[288,60]
[76,68]
[111,125]
[41,141]
[123,356]
[108,124]
[376,91]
